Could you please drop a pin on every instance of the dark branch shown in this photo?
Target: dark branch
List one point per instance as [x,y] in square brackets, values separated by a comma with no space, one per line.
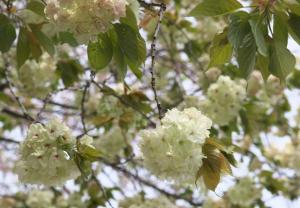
[153,55]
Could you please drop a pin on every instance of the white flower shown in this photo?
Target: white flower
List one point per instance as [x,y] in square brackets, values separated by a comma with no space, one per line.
[225,99]
[40,199]
[85,18]
[43,156]
[111,143]
[37,79]
[173,151]
[74,200]
[244,193]
[191,121]
[288,155]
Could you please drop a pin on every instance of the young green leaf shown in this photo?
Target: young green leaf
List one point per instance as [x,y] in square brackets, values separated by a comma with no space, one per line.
[44,41]
[69,71]
[282,61]
[8,33]
[294,27]
[215,7]
[100,52]
[246,55]
[256,27]
[221,50]
[23,47]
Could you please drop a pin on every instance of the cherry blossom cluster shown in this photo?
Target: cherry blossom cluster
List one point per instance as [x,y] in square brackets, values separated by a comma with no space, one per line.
[173,151]
[224,100]
[43,155]
[85,18]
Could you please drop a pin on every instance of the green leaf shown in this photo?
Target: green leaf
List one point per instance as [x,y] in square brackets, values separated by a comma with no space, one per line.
[119,59]
[282,61]
[238,29]
[36,6]
[132,46]
[262,63]
[100,52]
[280,30]
[69,71]
[23,47]
[88,152]
[221,50]
[67,37]
[256,27]
[83,165]
[7,34]
[293,79]
[215,7]
[45,42]
[294,27]
[241,37]
[210,171]
[246,55]
[130,19]
[128,41]
[135,65]
[35,48]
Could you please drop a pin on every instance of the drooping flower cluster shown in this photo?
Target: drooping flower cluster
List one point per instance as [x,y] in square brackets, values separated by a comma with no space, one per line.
[44,159]
[140,202]
[173,151]
[37,79]
[40,199]
[111,143]
[225,99]
[85,18]
[244,193]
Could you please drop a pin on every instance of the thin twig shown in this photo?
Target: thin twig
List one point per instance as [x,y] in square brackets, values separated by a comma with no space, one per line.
[153,55]
[17,98]
[2,139]
[124,102]
[94,177]
[82,115]
[153,186]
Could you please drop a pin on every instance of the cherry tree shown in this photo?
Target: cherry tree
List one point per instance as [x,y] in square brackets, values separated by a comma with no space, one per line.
[148,104]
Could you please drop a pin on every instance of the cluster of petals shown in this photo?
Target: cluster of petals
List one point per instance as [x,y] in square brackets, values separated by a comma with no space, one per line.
[173,151]
[85,18]
[44,157]
[224,100]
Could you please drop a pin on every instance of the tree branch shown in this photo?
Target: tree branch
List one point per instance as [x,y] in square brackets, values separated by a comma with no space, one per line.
[153,55]
[151,185]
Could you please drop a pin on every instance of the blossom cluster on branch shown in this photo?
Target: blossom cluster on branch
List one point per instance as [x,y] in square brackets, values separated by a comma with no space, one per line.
[85,18]
[173,151]
[44,155]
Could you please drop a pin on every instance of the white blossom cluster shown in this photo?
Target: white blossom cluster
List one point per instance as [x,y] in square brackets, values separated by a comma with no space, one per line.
[244,193]
[111,143]
[288,155]
[224,100]
[37,78]
[85,18]
[104,109]
[139,202]
[74,200]
[173,151]
[40,199]
[43,156]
